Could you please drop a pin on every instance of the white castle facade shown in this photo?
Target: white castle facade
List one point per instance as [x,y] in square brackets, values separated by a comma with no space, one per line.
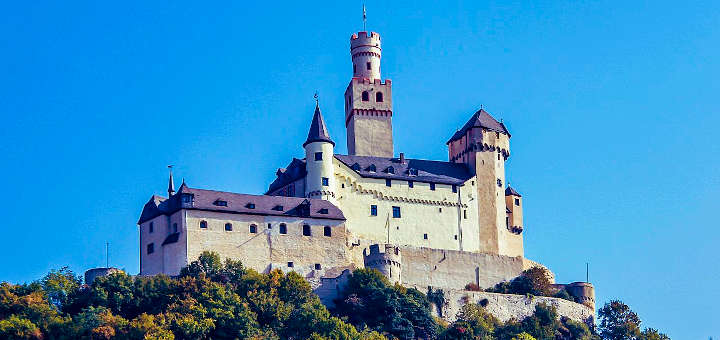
[422,223]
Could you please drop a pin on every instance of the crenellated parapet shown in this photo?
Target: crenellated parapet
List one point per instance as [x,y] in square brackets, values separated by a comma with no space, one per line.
[388,261]
[582,292]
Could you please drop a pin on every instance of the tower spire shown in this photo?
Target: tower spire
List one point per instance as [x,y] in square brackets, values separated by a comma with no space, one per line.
[318,131]
[171,183]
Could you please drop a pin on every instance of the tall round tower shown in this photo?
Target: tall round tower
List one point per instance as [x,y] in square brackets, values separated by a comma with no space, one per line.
[366,52]
[319,154]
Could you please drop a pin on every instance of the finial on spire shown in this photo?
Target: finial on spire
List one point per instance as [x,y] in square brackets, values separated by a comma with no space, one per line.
[481,106]
[364,17]
[171,183]
[317,101]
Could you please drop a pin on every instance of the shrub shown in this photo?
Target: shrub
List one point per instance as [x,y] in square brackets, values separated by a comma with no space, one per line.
[473,287]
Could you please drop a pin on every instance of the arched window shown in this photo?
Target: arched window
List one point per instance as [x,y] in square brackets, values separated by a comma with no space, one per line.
[283,228]
[203,224]
[365,96]
[379,97]
[253,229]
[228,226]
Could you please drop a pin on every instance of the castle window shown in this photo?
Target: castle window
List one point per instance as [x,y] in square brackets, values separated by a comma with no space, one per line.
[454,188]
[472,183]
[228,226]
[203,224]
[269,225]
[318,266]
[372,168]
[187,198]
[278,208]
[465,214]
[306,230]
[499,183]
[342,185]
[327,231]
[290,265]
[425,236]
[439,209]
[498,156]
[151,228]
[411,184]
[507,221]
[456,237]
[517,201]
[220,203]
[432,186]
[325,181]
[323,211]
[318,156]
[283,228]
[250,206]
[379,97]
[354,68]
[365,96]
[373,210]
[412,172]
[355,167]
[253,229]
[150,248]
[396,212]
[367,65]
[388,182]
[390,170]
[175,228]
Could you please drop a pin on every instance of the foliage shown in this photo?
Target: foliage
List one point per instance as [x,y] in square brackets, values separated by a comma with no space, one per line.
[618,321]
[472,286]
[533,281]
[370,301]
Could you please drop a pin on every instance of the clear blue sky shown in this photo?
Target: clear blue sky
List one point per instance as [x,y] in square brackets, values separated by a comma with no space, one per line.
[613,108]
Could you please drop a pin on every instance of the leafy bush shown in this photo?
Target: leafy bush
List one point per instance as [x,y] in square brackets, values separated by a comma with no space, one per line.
[533,281]
[473,287]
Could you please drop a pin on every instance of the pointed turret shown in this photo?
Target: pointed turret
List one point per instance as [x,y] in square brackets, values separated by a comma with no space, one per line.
[318,131]
[171,183]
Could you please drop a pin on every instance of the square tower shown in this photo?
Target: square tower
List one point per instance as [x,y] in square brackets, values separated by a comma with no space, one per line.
[368,100]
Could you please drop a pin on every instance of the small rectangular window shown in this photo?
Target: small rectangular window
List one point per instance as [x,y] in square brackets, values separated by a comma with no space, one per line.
[220,203]
[175,228]
[411,184]
[325,181]
[439,209]
[151,228]
[269,225]
[290,265]
[253,229]
[306,230]
[283,228]
[425,236]
[465,214]
[432,186]
[318,266]
[388,183]
[454,188]
[203,224]
[228,227]
[456,237]
[327,231]
[517,201]
[250,206]
[373,210]
[367,65]
[318,156]
[150,248]
[396,212]
[323,211]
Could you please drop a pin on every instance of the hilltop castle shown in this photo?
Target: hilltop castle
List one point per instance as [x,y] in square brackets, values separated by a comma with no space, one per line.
[422,223]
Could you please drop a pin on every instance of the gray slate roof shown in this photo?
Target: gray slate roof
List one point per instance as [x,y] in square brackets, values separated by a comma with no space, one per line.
[480,119]
[293,172]
[239,204]
[510,191]
[318,131]
[427,171]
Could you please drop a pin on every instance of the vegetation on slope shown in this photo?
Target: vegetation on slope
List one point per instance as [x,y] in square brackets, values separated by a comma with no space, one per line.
[216,300]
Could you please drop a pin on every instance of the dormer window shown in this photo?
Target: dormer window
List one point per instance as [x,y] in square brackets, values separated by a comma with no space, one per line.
[323,211]
[355,167]
[220,203]
[412,172]
[250,205]
[187,198]
[372,168]
[390,170]
[379,97]
[278,208]
[365,96]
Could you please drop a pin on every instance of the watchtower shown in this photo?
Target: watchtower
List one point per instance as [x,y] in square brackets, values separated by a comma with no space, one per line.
[388,262]
[368,100]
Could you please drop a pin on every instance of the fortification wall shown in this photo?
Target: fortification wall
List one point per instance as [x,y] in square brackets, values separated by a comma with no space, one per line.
[507,306]
[423,267]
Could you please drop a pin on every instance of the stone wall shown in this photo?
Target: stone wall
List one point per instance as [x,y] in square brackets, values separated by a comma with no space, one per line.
[507,306]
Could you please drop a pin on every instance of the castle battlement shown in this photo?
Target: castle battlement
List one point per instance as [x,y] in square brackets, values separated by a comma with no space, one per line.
[362,38]
[388,261]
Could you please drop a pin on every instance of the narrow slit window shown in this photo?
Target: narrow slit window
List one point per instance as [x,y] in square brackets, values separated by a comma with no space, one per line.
[388,183]
[425,236]
[411,184]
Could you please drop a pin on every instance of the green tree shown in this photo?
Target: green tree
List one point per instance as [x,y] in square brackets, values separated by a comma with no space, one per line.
[618,321]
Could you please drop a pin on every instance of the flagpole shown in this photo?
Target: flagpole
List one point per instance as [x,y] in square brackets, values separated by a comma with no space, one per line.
[364,18]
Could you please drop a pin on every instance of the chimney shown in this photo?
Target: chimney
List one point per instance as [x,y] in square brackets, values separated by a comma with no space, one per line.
[402,158]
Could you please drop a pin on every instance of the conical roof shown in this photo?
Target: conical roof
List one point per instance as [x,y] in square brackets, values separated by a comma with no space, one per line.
[318,131]
[509,191]
[482,119]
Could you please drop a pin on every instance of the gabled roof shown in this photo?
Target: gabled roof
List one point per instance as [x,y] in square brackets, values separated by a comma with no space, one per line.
[510,191]
[241,204]
[422,170]
[293,172]
[481,119]
[318,131]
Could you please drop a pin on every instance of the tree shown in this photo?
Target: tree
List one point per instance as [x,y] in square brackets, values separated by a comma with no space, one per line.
[618,321]
[60,284]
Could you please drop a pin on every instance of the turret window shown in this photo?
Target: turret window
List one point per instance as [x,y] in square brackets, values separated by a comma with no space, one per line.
[367,65]
[517,201]
[325,181]
[318,156]
[365,96]
[379,97]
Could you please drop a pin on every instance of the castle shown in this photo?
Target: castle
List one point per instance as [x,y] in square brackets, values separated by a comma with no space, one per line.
[422,223]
